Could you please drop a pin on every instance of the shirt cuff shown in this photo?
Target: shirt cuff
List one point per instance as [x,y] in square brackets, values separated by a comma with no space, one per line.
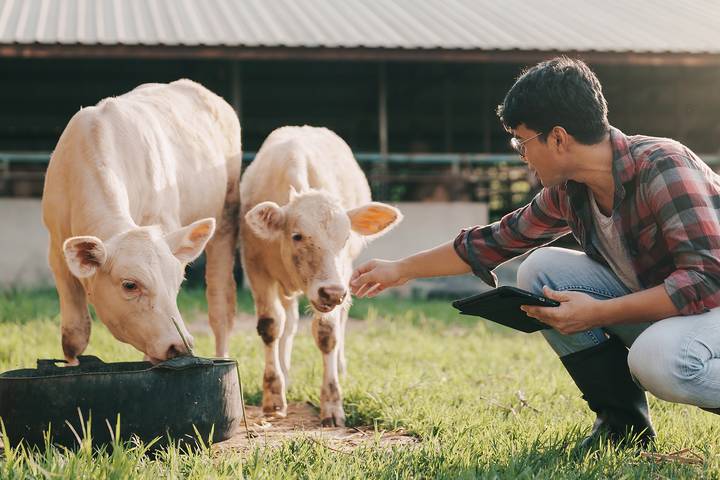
[464,249]
[683,294]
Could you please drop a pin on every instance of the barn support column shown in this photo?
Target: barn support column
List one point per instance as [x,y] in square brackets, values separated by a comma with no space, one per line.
[381,189]
[236,88]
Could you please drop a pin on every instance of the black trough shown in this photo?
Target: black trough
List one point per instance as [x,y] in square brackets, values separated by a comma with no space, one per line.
[170,400]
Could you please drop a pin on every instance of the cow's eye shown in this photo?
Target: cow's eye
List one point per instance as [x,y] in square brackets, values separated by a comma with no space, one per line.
[129,286]
[297,237]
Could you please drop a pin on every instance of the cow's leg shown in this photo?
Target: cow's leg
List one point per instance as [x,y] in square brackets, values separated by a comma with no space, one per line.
[341,332]
[74,314]
[325,330]
[271,322]
[221,288]
[292,316]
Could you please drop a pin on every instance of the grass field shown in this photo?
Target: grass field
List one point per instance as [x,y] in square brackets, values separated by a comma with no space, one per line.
[455,383]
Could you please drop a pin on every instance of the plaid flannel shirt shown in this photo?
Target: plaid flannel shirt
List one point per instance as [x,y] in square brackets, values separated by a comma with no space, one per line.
[666,207]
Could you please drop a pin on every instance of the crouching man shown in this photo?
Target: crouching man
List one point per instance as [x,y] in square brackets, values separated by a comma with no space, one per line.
[639,303]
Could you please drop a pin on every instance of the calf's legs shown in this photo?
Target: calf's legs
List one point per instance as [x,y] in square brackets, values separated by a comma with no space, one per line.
[326,331]
[271,322]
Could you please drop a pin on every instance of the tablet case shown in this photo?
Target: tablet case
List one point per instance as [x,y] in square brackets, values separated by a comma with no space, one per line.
[502,305]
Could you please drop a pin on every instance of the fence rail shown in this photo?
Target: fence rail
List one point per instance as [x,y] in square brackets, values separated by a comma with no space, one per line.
[501,180]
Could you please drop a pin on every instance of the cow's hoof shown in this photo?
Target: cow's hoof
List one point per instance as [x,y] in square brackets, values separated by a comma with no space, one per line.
[336,419]
[275,411]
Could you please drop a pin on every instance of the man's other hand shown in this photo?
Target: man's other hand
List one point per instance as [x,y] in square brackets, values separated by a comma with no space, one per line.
[577,312]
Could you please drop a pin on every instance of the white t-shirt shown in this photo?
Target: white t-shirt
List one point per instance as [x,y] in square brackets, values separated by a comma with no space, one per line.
[612,247]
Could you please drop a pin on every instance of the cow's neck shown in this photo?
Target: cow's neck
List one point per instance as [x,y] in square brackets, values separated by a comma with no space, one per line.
[107,213]
[103,218]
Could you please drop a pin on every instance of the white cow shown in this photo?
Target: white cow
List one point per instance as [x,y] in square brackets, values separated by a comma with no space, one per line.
[134,191]
[306,214]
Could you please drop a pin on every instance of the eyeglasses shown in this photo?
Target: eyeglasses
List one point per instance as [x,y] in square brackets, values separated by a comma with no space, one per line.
[519,146]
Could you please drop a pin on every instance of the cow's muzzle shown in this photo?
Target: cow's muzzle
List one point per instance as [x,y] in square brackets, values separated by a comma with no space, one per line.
[329,297]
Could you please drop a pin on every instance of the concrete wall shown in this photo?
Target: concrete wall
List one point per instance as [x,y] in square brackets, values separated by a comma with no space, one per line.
[24,242]
[427,225]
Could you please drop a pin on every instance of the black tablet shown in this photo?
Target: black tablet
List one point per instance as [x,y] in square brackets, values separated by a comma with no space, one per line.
[502,305]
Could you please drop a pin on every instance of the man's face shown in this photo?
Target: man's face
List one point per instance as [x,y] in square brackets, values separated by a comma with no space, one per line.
[539,155]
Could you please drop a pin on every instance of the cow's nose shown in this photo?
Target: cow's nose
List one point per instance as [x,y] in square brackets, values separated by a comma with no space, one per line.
[174,351]
[332,294]
[179,349]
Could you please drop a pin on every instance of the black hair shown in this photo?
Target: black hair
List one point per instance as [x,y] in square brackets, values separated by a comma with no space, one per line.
[559,92]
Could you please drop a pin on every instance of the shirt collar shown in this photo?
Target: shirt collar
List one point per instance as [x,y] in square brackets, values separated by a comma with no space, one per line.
[623,163]
[623,170]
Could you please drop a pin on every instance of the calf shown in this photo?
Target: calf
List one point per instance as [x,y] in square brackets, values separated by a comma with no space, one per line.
[306,214]
[134,191]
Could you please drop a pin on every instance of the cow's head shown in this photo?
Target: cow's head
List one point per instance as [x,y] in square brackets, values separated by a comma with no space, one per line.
[318,240]
[133,280]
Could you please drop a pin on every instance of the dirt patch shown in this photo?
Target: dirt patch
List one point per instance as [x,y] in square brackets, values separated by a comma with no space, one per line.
[303,422]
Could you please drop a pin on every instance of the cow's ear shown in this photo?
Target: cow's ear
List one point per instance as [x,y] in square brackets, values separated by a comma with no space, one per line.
[374,219]
[187,243]
[84,255]
[266,220]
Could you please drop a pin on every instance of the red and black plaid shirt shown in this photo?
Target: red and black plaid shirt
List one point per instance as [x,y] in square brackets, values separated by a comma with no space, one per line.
[665,207]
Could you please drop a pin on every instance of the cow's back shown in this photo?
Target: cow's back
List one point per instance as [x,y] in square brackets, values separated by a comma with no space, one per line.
[303,157]
[162,153]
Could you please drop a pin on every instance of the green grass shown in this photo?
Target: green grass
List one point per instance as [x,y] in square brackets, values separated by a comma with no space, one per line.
[448,380]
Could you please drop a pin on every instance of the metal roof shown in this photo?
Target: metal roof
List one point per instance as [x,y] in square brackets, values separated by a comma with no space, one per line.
[650,26]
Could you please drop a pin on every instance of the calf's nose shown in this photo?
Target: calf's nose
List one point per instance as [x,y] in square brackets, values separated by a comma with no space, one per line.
[332,294]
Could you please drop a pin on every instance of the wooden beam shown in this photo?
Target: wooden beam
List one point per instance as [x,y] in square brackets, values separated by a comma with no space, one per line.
[447,111]
[382,110]
[236,88]
[382,169]
[352,54]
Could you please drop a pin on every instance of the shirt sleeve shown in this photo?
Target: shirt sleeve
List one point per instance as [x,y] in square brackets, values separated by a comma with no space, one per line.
[531,226]
[683,196]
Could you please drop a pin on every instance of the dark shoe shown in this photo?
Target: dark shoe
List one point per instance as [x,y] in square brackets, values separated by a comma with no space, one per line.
[602,375]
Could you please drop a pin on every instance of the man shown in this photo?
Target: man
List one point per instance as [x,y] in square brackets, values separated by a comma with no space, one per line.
[645,213]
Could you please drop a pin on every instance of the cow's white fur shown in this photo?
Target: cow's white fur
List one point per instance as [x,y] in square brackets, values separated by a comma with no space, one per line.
[134,191]
[306,214]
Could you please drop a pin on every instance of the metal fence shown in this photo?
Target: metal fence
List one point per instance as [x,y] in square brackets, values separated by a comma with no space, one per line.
[500,180]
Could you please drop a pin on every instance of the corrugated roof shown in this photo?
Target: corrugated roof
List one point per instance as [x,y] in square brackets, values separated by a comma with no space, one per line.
[657,26]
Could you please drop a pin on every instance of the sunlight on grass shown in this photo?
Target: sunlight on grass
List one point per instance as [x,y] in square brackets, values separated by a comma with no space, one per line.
[454,382]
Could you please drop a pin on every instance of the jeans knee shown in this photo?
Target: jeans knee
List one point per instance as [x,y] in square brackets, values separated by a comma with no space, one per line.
[637,361]
[531,274]
[673,368]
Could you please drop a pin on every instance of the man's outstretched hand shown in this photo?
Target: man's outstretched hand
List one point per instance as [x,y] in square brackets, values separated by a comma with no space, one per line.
[374,276]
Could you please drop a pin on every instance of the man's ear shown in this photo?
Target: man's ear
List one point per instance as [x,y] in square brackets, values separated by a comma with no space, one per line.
[559,138]
[266,220]
[374,218]
[187,243]
[84,255]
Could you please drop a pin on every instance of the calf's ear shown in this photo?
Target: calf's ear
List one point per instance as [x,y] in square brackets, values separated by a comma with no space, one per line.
[266,220]
[374,218]
[187,243]
[84,255]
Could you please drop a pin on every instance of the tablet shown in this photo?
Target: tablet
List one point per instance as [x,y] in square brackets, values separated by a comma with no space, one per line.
[502,305]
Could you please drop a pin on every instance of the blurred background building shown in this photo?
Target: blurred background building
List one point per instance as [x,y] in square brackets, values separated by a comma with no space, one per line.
[411,85]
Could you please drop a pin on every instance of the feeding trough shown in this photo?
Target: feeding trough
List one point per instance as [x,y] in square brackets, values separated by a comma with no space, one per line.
[178,399]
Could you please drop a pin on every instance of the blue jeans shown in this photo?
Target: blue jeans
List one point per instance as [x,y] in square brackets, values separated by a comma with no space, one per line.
[676,359]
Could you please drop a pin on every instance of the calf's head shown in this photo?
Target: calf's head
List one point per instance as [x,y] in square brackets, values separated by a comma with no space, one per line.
[318,239]
[133,280]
